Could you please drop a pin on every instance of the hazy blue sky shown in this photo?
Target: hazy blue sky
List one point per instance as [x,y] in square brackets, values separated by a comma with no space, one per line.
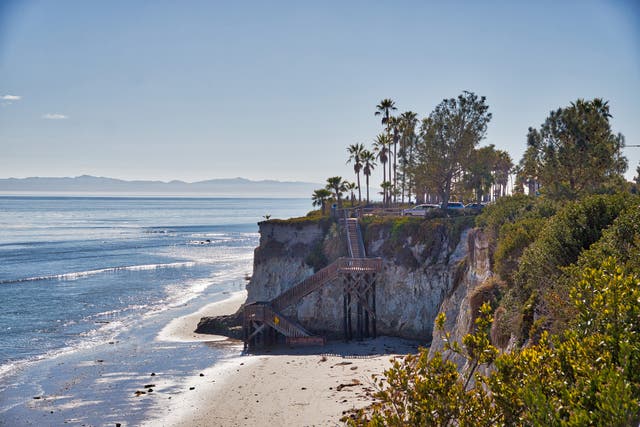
[276,90]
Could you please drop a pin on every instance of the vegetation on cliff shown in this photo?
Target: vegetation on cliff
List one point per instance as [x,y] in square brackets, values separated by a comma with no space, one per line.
[587,375]
[557,341]
[436,235]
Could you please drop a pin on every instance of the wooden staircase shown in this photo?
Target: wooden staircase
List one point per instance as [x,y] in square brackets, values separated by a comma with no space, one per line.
[354,238]
[304,288]
[261,319]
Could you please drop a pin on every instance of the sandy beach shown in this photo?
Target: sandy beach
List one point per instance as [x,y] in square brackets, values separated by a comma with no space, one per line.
[288,386]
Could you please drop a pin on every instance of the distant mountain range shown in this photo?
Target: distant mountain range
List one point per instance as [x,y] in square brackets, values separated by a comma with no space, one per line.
[86,184]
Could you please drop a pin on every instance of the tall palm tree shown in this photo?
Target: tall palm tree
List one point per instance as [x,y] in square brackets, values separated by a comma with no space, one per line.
[384,109]
[336,184]
[355,153]
[501,168]
[395,124]
[320,197]
[380,145]
[368,164]
[409,120]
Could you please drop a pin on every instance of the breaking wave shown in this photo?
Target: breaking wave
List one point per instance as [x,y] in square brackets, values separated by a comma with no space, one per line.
[81,274]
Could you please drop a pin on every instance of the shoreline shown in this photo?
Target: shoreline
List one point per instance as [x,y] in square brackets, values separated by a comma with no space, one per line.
[284,386]
[180,329]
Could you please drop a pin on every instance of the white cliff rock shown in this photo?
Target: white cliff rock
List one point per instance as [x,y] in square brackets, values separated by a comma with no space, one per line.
[456,305]
[411,289]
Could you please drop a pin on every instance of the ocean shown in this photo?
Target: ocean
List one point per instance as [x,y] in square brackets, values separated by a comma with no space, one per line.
[85,277]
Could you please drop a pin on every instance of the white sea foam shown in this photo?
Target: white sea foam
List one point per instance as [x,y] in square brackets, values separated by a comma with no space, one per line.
[80,274]
[105,333]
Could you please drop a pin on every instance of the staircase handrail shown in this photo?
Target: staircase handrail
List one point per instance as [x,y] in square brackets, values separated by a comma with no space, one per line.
[359,264]
[348,225]
[305,287]
[360,240]
[283,324]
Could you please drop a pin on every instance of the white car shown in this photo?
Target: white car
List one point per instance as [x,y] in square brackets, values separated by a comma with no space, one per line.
[420,210]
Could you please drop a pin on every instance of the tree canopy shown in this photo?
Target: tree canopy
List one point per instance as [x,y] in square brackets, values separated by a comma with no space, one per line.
[447,139]
[574,151]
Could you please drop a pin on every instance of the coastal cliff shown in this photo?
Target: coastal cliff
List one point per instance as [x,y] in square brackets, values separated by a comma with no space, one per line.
[428,266]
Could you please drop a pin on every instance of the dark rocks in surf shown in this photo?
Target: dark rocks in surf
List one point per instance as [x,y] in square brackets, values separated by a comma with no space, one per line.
[228,326]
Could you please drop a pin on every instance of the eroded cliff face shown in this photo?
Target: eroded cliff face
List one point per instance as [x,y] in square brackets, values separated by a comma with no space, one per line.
[418,278]
[281,259]
[457,305]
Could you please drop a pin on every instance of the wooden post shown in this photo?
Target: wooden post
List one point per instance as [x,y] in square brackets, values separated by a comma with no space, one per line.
[345,321]
[359,318]
[349,326]
[366,316]
[373,305]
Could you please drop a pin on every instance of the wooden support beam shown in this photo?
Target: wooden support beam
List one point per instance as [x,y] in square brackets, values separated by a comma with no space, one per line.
[257,331]
[359,318]
[345,311]
[366,316]
[373,307]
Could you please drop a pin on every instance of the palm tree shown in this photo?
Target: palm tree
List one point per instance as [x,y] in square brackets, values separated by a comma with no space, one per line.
[384,109]
[409,120]
[380,148]
[368,164]
[355,153]
[386,188]
[336,184]
[395,123]
[501,168]
[350,187]
[320,198]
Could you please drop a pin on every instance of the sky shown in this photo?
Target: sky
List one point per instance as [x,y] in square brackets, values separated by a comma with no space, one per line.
[194,90]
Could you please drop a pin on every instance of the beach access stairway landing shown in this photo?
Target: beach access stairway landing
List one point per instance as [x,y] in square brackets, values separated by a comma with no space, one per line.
[260,315]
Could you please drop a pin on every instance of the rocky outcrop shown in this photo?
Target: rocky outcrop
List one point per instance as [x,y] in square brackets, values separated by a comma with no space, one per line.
[421,274]
[228,326]
[284,257]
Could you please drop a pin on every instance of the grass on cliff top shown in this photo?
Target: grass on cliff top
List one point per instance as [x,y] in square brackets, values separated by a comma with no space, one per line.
[431,232]
[313,217]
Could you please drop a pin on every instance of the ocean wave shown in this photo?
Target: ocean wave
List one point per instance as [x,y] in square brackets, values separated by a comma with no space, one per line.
[91,338]
[122,319]
[80,274]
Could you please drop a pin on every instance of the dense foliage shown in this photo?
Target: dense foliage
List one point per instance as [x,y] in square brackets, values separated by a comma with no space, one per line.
[569,301]
[557,328]
[574,152]
[588,375]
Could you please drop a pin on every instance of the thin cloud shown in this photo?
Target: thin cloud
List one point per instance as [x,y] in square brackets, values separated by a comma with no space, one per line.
[10,97]
[54,116]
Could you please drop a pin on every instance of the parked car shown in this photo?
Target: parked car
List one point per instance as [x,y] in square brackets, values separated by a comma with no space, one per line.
[474,206]
[455,205]
[420,210]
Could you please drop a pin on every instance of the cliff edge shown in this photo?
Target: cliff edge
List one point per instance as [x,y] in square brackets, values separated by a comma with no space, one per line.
[428,266]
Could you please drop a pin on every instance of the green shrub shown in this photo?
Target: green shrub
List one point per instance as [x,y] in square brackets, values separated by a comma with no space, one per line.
[565,236]
[589,375]
[504,210]
[515,237]
[620,241]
